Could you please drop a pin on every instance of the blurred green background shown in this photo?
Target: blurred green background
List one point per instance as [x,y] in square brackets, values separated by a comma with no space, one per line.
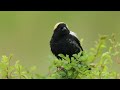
[26,34]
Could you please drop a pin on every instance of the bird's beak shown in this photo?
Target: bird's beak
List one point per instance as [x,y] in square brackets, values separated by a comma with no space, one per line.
[64,28]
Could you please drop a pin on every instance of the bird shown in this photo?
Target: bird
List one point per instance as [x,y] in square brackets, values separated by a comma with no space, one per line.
[64,41]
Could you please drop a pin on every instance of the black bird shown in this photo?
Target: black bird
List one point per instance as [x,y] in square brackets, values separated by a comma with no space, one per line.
[64,41]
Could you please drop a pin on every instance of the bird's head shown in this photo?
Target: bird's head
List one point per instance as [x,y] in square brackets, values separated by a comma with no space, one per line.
[61,29]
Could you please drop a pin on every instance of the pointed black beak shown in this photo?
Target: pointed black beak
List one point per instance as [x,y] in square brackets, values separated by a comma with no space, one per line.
[64,28]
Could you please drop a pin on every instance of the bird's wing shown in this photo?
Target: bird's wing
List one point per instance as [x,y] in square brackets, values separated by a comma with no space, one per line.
[75,38]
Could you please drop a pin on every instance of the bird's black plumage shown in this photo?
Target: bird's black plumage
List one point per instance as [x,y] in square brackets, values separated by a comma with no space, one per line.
[63,42]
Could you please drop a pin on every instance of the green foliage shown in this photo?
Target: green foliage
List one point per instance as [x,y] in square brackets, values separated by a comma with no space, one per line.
[95,63]
[16,71]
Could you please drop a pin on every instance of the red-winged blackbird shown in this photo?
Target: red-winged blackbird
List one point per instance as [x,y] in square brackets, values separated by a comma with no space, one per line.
[64,41]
